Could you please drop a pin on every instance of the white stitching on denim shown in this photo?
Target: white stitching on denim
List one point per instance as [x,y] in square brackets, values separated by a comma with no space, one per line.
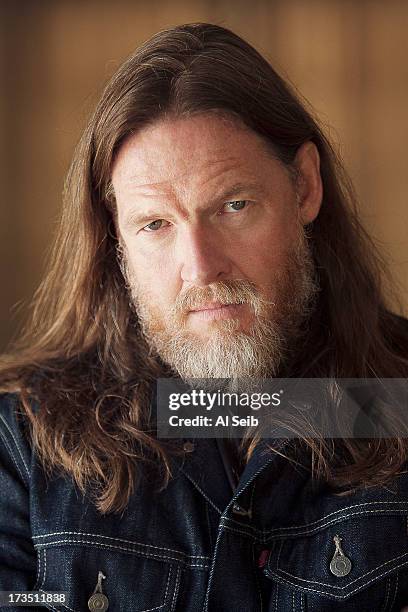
[165,594]
[114,547]
[44,570]
[340,511]
[352,581]
[201,491]
[395,592]
[251,527]
[171,570]
[47,604]
[222,527]
[278,532]
[175,592]
[333,521]
[15,442]
[302,602]
[231,520]
[37,578]
[40,587]
[238,493]
[387,594]
[43,582]
[67,607]
[61,604]
[220,533]
[225,519]
[207,513]
[293,602]
[249,535]
[13,457]
[133,542]
[277,584]
[279,554]
[285,581]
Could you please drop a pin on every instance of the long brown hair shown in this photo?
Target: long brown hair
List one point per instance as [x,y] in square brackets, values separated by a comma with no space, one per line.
[82,369]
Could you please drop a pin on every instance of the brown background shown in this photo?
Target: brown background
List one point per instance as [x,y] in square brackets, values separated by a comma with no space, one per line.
[349,59]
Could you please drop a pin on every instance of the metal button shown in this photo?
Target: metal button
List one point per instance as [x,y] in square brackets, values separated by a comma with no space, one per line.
[236,508]
[340,565]
[98,601]
[188,447]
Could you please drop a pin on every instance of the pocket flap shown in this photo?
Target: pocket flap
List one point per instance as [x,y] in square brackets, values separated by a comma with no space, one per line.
[343,558]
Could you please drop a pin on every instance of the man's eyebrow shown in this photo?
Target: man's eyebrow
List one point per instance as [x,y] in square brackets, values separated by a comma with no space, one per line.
[136,216]
[238,188]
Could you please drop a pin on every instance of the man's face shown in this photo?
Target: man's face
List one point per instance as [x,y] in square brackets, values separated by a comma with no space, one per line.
[211,228]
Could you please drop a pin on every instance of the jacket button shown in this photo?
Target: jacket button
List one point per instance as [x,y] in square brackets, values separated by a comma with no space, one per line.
[98,601]
[340,565]
[237,509]
[188,447]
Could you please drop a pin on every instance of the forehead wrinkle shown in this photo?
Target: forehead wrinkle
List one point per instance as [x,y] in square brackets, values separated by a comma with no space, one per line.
[177,192]
[161,189]
[218,174]
[158,184]
[176,189]
[155,185]
[187,191]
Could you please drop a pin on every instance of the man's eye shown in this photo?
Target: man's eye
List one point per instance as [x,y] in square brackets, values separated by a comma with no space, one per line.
[235,205]
[154,225]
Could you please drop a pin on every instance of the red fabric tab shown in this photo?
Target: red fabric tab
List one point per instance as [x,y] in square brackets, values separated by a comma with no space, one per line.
[263,557]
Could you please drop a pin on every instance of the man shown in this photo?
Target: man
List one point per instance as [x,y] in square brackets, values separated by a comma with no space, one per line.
[208,232]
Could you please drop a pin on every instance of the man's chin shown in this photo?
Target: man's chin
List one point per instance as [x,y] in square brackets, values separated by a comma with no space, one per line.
[223,353]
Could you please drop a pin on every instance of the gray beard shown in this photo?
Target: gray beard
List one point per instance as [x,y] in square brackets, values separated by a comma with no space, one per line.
[229,353]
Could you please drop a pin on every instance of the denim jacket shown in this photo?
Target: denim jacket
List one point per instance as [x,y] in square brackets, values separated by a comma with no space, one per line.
[278,542]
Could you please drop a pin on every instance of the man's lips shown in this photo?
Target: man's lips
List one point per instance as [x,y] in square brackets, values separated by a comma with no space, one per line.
[216,310]
[211,306]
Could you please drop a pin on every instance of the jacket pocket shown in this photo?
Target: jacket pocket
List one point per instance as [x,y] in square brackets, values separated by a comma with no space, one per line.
[348,561]
[136,577]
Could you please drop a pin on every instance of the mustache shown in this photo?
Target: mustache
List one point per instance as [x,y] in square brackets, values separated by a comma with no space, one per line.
[225,292]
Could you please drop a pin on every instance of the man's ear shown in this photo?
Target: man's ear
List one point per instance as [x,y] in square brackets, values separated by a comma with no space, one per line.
[309,182]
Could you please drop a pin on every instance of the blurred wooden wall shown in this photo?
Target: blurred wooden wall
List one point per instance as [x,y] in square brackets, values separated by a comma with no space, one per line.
[349,59]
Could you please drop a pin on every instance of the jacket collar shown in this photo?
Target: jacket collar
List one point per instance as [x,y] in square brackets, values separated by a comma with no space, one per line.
[204,468]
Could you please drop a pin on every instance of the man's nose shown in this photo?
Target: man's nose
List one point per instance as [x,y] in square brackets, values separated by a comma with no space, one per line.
[203,257]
